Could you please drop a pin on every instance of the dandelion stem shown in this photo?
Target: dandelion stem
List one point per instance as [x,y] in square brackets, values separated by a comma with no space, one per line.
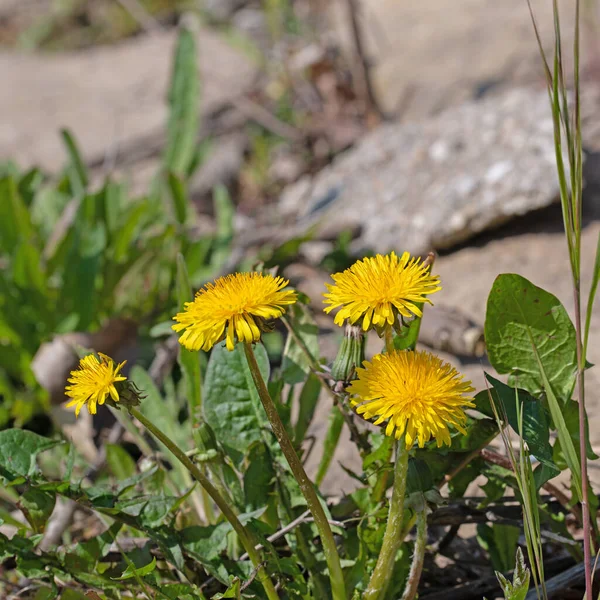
[416,568]
[243,534]
[336,577]
[392,538]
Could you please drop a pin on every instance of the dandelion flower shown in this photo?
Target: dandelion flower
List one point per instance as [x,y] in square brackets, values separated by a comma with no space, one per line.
[377,289]
[240,303]
[93,382]
[417,393]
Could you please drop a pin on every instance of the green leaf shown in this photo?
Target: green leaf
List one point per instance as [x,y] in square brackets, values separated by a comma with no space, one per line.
[76,168]
[536,429]
[18,451]
[233,591]
[259,477]
[15,221]
[205,543]
[224,215]
[501,542]
[527,328]
[189,361]
[517,590]
[37,506]
[179,196]
[119,461]
[184,98]
[307,403]
[162,412]
[131,571]
[231,404]
[295,365]
[332,438]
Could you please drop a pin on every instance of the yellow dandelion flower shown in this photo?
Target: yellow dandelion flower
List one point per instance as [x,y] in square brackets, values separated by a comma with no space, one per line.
[240,302]
[415,392]
[377,289]
[93,382]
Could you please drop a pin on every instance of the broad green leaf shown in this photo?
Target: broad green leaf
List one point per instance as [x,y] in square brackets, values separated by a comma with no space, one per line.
[295,365]
[37,506]
[233,591]
[205,543]
[231,404]
[536,429]
[151,511]
[501,542]
[527,328]
[189,361]
[131,571]
[259,477]
[119,461]
[332,438]
[184,99]
[18,451]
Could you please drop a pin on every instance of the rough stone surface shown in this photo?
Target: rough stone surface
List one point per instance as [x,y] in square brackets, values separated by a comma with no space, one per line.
[438,182]
[109,97]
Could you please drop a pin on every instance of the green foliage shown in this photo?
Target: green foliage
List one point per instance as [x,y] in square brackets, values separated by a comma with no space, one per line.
[72,258]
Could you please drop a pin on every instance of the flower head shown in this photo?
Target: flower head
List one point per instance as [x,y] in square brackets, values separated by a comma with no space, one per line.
[415,392]
[239,303]
[93,381]
[378,289]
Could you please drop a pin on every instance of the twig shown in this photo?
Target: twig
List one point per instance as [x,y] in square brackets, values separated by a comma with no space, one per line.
[262,116]
[556,586]
[303,518]
[362,73]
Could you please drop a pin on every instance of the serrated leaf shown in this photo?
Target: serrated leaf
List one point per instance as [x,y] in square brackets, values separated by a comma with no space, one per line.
[231,404]
[37,506]
[18,451]
[521,318]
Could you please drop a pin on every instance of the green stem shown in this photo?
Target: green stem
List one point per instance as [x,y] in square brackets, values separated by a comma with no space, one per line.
[389,340]
[244,536]
[393,533]
[336,576]
[416,568]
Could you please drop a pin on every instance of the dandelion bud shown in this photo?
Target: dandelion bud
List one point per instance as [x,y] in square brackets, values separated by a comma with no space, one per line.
[350,355]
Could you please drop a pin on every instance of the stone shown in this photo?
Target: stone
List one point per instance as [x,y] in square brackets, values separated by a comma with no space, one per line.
[433,184]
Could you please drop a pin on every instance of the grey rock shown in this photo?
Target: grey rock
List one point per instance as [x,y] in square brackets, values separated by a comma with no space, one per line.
[436,183]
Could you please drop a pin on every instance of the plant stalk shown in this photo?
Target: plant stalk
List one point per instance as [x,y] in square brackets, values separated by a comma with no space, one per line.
[244,536]
[416,567]
[336,576]
[585,508]
[393,537]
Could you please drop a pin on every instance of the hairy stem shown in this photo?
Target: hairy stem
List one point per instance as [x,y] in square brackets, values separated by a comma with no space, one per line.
[393,537]
[416,568]
[244,536]
[336,576]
